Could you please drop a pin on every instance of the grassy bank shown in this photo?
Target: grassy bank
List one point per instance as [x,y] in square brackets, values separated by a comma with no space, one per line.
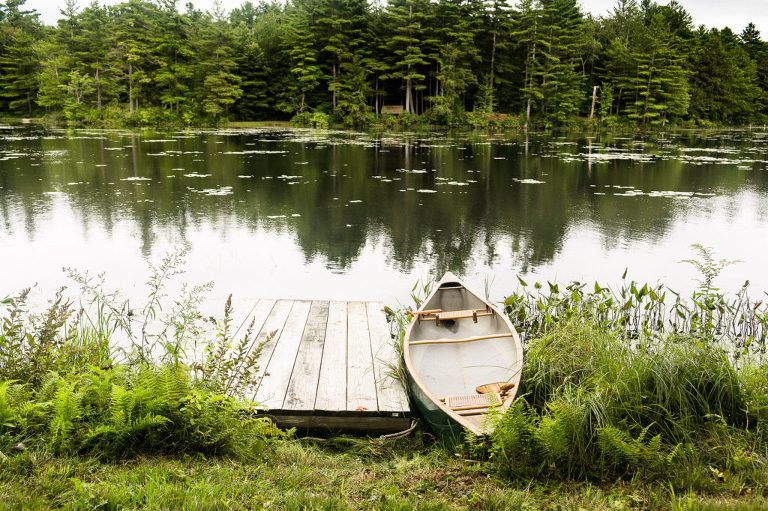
[338,474]
[625,402]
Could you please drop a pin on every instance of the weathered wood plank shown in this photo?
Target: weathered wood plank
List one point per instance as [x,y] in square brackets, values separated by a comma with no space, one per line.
[274,386]
[357,422]
[390,392]
[361,385]
[302,388]
[274,323]
[255,320]
[332,384]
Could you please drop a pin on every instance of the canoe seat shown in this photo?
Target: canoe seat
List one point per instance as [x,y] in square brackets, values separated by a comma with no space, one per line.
[472,404]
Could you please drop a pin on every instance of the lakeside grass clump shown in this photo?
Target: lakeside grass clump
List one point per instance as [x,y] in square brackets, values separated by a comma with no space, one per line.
[619,384]
[593,407]
[109,380]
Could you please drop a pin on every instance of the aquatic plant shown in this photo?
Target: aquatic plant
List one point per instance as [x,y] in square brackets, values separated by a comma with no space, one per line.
[647,312]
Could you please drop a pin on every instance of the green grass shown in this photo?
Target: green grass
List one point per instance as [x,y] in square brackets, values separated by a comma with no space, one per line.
[593,406]
[343,473]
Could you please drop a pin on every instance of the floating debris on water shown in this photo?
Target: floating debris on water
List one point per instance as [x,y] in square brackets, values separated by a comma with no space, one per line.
[528,181]
[256,151]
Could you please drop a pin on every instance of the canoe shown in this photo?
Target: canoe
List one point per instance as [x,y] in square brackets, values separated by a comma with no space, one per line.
[463,360]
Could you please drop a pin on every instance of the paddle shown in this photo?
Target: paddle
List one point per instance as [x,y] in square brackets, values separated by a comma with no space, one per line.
[500,387]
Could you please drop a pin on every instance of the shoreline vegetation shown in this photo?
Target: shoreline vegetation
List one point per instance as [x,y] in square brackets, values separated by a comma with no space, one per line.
[453,63]
[631,397]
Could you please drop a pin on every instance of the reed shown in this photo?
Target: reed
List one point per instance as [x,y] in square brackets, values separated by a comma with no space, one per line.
[642,312]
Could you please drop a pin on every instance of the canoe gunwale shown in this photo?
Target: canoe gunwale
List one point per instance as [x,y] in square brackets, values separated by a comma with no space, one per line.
[416,378]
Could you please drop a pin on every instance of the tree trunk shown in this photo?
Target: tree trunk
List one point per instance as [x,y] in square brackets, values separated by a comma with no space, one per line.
[529,73]
[334,86]
[98,89]
[408,94]
[594,98]
[490,85]
[130,88]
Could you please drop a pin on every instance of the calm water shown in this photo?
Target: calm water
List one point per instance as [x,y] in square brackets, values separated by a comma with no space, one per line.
[339,215]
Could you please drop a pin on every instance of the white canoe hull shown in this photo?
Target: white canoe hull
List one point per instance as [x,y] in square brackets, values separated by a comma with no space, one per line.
[447,359]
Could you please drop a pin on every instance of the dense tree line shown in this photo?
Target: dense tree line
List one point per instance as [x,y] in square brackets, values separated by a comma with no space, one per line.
[544,61]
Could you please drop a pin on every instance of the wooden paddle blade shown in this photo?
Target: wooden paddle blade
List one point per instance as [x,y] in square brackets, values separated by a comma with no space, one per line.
[499,387]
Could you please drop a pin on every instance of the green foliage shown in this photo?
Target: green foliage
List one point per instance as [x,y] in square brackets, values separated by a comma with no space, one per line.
[124,411]
[311,120]
[540,58]
[591,405]
[33,344]
[65,389]
[646,313]
[229,365]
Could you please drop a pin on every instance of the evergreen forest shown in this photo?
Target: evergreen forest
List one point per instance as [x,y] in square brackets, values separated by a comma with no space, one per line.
[354,62]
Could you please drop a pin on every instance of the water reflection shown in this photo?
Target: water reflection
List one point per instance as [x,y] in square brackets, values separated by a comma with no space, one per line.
[351,215]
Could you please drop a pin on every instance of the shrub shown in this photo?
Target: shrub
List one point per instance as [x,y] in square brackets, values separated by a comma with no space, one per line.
[302,119]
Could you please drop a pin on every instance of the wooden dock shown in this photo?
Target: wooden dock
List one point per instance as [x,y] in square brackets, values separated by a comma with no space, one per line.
[328,366]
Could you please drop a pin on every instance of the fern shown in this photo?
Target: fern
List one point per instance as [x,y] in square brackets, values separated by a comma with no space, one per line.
[618,448]
[66,410]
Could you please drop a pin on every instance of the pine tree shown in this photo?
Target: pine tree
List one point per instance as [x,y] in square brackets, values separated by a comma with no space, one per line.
[455,31]
[660,86]
[527,31]
[19,64]
[498,19]
[175,58]
[299,44]
[220,86]
[404,19]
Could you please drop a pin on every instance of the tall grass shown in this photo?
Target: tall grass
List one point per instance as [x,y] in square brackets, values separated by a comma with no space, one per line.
[622,383]
[69,382]
[590,405]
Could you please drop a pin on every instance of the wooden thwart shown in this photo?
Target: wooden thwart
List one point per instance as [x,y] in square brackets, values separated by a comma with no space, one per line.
[467,339]
[438,315]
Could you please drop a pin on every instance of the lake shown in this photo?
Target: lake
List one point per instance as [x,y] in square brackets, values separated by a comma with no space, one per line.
[291,213]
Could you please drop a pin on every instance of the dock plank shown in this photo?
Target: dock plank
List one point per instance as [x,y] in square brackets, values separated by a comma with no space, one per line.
[302,388]
[361,385]
[255,320]
[390,392]
[274,386]
[332,383]
[274,323]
